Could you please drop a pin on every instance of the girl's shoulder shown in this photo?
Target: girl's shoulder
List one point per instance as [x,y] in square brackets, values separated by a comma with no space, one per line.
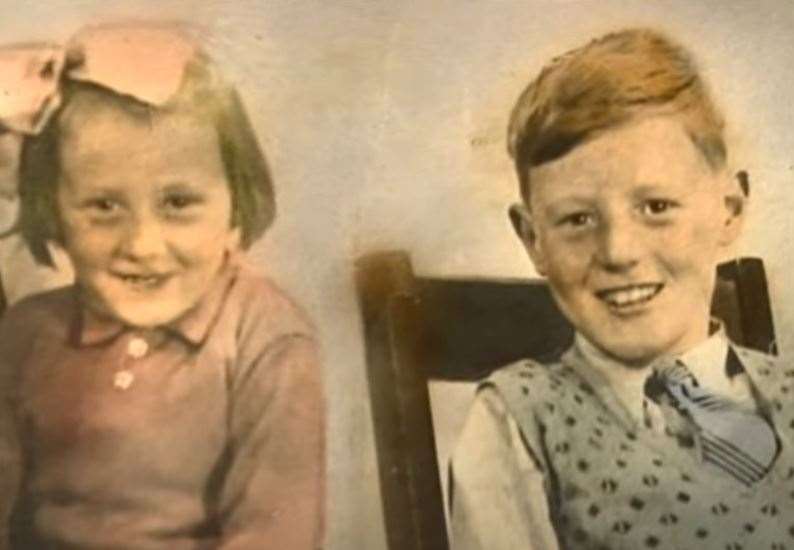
[256,302]
[49,307]
[45,314]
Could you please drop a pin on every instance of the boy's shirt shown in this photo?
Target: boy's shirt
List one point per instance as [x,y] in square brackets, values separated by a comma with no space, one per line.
[505,489]
[706,361]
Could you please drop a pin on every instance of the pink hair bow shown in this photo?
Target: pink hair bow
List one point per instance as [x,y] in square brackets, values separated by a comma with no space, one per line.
[145,61]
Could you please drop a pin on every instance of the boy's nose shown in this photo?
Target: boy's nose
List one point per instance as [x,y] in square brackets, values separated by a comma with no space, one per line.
[618,245]
[143,239]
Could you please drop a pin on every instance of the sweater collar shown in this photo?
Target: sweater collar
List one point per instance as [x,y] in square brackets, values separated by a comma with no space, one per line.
[707,361]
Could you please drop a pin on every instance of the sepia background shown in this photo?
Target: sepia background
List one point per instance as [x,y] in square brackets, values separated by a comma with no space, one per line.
[384,123]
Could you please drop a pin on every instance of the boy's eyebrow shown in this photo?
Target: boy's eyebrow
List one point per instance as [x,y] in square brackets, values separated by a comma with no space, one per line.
[648,188]
[656,188]
[564,203]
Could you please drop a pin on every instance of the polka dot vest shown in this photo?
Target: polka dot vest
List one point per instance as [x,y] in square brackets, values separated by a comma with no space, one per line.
[616,485]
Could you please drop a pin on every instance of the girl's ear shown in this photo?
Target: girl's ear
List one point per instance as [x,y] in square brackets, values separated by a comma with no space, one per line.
[234,239]
[523,224]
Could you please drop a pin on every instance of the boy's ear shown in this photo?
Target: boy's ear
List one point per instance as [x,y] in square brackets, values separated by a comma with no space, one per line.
[521,218]
[735,203]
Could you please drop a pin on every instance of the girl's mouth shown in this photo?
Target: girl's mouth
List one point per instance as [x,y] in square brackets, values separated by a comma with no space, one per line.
[142,281]
[630,296]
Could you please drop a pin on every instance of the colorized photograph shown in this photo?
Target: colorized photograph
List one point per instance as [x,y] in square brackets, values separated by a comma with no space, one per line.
[396,276]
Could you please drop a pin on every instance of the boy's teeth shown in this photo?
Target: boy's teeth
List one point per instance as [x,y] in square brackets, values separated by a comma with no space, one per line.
[631,295]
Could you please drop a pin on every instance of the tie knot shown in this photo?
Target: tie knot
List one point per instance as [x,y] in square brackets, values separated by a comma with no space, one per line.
[666,373]
[674,370]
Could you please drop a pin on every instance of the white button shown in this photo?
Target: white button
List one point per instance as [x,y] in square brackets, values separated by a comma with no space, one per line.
[123,379]
[137,348]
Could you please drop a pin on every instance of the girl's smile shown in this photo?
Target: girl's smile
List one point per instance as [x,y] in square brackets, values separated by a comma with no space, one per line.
[143,281]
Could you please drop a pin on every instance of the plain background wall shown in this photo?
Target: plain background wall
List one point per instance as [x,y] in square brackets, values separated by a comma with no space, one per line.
[384,123]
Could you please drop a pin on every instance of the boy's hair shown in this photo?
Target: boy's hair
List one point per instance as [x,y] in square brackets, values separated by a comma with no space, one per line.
[613,80]
[203,94]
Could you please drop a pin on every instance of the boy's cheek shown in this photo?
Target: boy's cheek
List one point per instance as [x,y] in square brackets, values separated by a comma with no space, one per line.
[566,258]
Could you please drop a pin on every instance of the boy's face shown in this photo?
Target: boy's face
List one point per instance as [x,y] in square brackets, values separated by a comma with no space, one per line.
[628,229]
[145,211]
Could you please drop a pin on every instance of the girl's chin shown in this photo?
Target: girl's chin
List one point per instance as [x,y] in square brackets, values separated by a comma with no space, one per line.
[147,319]
[143,315]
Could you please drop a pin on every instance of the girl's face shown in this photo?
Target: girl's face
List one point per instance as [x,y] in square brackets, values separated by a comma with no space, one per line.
[145,211]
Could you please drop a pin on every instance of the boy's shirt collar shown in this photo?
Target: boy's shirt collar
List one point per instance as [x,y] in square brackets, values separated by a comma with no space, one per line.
[91,328]
[706,361]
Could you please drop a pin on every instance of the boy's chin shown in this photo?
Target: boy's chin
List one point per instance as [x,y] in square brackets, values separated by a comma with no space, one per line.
[631,353]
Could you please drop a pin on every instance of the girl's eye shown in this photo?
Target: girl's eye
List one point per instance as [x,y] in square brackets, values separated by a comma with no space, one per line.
[180,202]
[102,205]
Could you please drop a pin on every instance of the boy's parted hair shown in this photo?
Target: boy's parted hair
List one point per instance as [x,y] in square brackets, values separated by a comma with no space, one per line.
[204,94]
[613,80]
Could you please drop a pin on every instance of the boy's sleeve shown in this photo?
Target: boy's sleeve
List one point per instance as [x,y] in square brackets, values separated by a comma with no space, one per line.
[273,492]
[498,493]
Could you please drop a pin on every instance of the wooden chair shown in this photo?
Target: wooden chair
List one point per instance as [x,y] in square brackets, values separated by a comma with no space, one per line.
[3,301]
[419,329]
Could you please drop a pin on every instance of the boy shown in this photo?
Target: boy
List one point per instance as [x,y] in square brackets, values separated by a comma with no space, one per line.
[652,431]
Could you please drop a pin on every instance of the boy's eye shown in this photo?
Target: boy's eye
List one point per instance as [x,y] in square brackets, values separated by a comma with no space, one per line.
[655,207]
[576,219]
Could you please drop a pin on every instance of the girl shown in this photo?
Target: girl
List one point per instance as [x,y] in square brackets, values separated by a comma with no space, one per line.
[171,397]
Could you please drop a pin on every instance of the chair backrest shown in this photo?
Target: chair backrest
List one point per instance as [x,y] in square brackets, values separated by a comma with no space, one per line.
[422,328]
[3,301]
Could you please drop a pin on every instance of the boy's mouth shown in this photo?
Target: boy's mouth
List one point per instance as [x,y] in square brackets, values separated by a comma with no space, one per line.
[629,296]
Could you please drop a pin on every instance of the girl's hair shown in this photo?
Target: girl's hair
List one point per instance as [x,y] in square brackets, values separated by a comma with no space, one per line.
[613,80]
[203,94]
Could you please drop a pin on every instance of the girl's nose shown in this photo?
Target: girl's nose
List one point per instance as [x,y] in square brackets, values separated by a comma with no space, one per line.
[618,246]
[143,239]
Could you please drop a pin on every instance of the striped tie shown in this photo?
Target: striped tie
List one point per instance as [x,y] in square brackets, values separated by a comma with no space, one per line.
[732,438]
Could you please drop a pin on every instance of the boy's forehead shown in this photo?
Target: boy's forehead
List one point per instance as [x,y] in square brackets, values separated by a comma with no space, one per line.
[647,151]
